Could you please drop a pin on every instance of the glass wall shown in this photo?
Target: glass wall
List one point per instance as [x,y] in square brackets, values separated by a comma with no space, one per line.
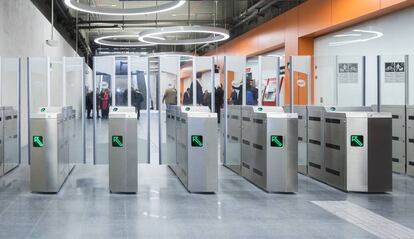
[10,113]
[59,82]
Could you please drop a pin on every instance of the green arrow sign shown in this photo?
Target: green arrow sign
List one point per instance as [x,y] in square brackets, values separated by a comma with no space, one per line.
[38,141]
[276,141]
[117,141]
[357,141]
[197,140]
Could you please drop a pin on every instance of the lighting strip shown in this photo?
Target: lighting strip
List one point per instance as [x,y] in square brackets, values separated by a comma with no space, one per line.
[170,54]
[124,12]
[375,34]
[218,34]
[104,41]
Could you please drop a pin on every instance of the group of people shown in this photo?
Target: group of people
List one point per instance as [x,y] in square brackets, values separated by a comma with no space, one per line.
[104,101]
[252,94]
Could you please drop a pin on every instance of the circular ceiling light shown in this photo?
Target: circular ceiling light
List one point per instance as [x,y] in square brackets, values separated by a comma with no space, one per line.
[171,53]
[74,4]
[152,36]
[116,42]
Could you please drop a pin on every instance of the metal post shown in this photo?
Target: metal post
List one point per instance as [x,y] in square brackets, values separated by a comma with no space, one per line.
[407,80]
[83,110]
[278,81]
[94,109]
[291,79]
[148,89]
[20,109]
[158,90]
[129,81]
[225,112]
[378,83]
[336,81]
[213,76]
[113,91]
[244,81]
[28,108]
[260,78]
[309,82]
[364,80]
[194,82]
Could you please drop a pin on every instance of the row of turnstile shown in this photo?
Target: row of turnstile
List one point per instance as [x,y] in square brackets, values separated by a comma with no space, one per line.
[402,134]
[192,147]
[349,148]
[52,134]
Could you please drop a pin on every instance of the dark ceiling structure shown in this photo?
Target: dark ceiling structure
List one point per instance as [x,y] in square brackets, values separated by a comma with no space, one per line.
[238,16]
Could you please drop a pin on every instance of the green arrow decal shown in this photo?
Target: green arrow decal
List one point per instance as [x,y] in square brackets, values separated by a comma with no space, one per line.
[357,140]
[38,141]
[197,141]
[117,141]
[276,141]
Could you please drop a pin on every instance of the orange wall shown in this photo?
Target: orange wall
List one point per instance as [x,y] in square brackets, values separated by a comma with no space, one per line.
[296,29]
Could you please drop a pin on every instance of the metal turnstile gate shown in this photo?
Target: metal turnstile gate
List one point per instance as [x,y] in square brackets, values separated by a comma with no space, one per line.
[358,151]
[49,150]
[9,140]
[192,131]
[410,140]
[270,148]
[123,150]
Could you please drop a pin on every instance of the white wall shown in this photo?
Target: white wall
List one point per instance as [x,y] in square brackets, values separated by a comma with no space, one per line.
[23,32]
[396,41]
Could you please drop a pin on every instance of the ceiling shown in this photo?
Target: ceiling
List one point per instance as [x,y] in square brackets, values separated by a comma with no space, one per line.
[238,16]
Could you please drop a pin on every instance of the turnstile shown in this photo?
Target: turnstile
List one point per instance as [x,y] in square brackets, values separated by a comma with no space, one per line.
[9,140]
[49,150]
[316,137]
[398,112]
[123,150]
[192,131]
[233,137]
[410,140]
[358,151]
[302,111]
[270,148]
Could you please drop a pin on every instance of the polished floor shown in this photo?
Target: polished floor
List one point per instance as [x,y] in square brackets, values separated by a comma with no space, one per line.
[164,209]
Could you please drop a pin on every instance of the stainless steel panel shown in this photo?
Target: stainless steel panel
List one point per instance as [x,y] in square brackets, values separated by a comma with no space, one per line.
[196,167]
[123,158]
[274,169]
[48,170]
[398,135]
[10,139]
[410,139]
[234,138]
[352,168]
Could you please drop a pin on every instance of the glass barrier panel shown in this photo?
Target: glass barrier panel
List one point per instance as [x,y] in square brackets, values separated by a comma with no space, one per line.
[139,100]
[169,86]
[104,84]
[204,72]
[10,84]
[234,78]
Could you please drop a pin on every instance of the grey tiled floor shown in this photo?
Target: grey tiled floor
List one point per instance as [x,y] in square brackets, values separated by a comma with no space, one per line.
[164,209]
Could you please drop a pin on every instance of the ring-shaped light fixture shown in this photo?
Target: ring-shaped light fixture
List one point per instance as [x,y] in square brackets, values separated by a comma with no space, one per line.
[124,12]
[152,36]
[105,41]
[170,53]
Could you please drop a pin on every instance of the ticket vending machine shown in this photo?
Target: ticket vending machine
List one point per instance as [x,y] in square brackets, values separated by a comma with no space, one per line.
[123,150]
[49,166]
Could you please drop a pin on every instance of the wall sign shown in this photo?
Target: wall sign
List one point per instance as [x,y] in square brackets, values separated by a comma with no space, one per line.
[394,72]
[348,73]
